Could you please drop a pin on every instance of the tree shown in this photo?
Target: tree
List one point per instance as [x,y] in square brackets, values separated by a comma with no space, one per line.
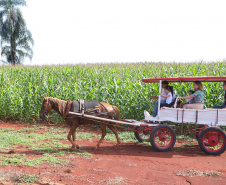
[16,39]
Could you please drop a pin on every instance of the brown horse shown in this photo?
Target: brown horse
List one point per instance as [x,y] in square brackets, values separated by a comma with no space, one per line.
[61,106]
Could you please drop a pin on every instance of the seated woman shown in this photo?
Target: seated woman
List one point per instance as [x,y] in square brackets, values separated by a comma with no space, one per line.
[197,95]
[223,106]
[162,101]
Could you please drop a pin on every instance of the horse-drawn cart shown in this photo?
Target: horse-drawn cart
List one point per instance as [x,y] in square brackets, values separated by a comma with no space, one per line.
[211,138]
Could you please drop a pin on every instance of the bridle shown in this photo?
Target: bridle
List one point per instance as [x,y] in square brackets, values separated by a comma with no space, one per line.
[46,108]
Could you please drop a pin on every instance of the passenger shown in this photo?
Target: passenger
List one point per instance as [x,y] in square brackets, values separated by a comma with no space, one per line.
[163,99]
[190,100]
[223,106]
[168,96]
[197,95]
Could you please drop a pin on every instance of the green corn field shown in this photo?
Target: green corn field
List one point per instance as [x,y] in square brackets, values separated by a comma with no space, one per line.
[21,88]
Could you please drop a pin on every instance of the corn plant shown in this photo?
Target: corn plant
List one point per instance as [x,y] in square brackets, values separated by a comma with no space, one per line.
[21,88]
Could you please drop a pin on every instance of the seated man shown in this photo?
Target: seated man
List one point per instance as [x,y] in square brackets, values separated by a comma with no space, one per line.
[163,99]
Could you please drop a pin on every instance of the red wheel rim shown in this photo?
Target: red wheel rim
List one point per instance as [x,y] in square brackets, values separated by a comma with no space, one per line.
[163,138]
[213,141]
[144,133]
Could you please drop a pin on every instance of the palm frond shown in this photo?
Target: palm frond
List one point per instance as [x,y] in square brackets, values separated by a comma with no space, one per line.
[16,39]
[12,3]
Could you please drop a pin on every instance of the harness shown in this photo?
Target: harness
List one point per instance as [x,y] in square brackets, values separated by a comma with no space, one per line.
[82,106]
[68,106]
[108,113]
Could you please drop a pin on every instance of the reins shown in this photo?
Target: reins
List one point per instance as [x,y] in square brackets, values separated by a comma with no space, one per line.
[68,106]
[45,111]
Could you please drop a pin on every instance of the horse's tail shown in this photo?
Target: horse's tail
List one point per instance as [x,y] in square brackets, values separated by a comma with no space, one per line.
[117,113]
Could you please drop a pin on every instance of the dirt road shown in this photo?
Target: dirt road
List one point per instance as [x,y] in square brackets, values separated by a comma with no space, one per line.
[130,163]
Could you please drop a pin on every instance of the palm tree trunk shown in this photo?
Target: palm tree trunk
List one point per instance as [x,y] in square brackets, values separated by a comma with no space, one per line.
[13,51]
[11,59]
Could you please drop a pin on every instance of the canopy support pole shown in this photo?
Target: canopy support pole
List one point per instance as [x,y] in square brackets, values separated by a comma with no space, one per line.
[160,90]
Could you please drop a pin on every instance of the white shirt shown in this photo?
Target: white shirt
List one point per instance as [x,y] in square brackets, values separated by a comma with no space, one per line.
[163,93]
[169,100]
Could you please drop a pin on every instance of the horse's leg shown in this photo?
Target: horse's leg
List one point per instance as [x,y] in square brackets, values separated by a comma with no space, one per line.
[103,129]
[114,130]
[72,135]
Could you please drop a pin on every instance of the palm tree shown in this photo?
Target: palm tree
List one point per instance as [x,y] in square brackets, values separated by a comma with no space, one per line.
[16,39]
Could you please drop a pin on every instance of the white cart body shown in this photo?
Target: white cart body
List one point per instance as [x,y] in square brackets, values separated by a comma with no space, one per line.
[211,117]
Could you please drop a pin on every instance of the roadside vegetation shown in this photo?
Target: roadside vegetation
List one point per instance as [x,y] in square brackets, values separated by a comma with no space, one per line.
[45,144]
[42,142]
[21,88]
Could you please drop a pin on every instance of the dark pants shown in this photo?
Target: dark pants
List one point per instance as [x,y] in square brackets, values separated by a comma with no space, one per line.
[165,105]
[156,107]
[219,107]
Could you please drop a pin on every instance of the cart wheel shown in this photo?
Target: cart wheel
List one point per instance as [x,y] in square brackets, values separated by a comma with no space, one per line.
[199,129]
[212,141]
[142,133]
[163,138]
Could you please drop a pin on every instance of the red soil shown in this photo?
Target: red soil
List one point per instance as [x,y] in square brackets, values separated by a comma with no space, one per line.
[129,163]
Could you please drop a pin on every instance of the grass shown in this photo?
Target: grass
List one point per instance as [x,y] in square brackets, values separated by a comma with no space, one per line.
[17,177]
[183,146]
[24,136]
[118,84]
[23,160]
[187,138]
[112,181]
[124,136]
[48,145]
[28,179]
[192,173]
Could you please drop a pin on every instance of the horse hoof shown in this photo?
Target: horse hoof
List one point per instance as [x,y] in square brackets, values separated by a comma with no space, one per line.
[75,147]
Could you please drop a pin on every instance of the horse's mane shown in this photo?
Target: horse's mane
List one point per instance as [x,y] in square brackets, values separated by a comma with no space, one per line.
[61,106]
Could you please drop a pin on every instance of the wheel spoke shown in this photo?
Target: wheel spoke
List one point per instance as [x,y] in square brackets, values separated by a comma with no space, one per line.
[163,138]
[213,141]
[144,133]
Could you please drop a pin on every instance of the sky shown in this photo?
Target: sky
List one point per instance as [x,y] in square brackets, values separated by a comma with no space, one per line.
[99,31]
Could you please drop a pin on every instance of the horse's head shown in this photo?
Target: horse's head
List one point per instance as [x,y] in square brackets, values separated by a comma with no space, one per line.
[46,107]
